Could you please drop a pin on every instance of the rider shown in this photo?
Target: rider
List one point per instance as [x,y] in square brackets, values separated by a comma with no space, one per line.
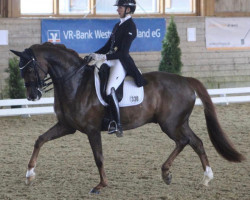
[115,53]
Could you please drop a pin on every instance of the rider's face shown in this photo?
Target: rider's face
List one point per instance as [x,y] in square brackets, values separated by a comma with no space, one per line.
[121,11]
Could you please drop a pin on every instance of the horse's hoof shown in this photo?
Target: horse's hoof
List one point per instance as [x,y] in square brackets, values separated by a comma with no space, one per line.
[205,181]
[167,178]
[94,191]
[29,180]
[200,186]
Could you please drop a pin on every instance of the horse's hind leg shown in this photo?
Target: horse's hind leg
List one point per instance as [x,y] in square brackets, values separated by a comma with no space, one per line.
[198,147]
[181,141]
[166,174]
[53,133]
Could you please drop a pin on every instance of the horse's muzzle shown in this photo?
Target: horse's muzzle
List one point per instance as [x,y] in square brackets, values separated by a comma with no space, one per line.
[35,95]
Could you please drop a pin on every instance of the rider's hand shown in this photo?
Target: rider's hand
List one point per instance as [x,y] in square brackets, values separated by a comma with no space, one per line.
[98,57]
[87,58]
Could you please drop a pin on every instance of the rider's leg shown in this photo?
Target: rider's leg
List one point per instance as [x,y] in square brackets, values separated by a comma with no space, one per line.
[115,126]
[116,76]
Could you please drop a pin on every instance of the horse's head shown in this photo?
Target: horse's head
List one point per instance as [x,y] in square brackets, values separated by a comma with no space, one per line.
[33,73]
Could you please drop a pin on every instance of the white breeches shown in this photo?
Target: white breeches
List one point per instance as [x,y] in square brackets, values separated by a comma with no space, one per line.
[116,75]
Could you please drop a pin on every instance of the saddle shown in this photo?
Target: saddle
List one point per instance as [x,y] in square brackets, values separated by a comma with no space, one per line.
[128,93]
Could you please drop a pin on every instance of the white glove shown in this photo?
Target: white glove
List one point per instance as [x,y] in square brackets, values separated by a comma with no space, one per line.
[98,57]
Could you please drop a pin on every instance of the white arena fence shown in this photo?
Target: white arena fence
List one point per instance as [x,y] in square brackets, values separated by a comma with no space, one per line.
[45,105]
[228,95]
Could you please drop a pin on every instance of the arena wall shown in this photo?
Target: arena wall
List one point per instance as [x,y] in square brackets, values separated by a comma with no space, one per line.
[232,6]
[216,69]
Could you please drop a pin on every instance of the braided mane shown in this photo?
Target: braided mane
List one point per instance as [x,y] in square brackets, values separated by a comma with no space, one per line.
[59,47]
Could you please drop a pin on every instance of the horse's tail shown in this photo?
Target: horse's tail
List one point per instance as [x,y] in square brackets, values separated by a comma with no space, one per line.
[217,136]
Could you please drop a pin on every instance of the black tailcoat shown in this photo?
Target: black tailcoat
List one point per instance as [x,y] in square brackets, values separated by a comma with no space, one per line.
[123,37]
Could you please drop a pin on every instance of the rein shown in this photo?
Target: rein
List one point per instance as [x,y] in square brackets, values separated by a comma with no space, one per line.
[67,77]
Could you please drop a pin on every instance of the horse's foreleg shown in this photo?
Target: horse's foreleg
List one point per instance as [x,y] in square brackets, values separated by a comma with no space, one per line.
[96,145]
[53,133]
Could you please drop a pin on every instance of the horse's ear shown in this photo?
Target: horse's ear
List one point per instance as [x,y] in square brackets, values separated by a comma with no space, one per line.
[17,53]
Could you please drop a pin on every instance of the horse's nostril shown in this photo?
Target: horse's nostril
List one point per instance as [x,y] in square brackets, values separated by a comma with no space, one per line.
[31,99]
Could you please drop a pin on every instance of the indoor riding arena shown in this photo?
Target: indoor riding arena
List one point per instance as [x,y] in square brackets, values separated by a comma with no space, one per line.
[159,157]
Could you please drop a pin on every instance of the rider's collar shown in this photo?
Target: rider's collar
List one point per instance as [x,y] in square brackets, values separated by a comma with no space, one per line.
[124,19]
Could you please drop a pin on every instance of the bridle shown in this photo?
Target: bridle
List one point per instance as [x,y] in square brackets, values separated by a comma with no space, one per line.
[38,83]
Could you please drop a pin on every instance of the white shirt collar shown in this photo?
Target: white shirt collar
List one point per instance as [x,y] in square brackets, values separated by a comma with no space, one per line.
[124,19]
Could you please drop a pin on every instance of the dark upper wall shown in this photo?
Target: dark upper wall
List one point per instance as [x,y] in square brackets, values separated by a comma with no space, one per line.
[233,6]
[11,8]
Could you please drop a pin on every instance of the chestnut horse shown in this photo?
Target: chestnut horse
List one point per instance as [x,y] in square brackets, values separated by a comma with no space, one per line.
[168,100]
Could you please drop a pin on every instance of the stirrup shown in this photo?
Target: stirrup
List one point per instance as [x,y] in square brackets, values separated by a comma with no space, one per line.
[119,132]
[117,129]
[112,128]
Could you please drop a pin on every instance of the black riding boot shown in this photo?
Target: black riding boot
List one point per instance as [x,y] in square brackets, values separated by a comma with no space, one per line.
[115,125]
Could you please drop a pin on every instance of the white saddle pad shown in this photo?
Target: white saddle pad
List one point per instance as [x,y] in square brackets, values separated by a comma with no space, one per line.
[132,95]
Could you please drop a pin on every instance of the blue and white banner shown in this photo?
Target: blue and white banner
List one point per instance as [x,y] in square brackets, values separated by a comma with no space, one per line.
[88,35]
